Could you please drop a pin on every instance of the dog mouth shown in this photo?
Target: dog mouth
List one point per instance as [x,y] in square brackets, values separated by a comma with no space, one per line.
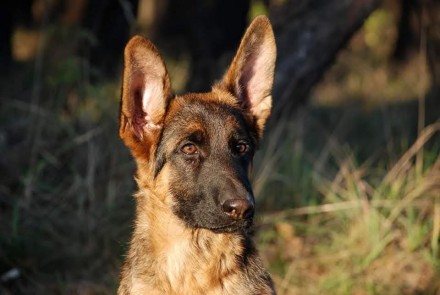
[235,226]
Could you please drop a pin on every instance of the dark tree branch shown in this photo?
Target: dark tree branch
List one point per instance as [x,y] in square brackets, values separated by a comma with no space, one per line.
[309,35]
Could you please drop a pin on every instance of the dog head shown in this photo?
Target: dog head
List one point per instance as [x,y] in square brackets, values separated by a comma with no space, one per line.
[196,149]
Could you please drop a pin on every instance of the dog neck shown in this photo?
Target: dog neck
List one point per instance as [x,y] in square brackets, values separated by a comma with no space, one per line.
[176,258]
[168,257]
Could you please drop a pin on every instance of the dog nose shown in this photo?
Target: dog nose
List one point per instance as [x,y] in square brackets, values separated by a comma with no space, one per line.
[238,208]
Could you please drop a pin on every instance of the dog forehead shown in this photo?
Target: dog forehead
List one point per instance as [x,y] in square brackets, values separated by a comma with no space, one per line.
[194,112]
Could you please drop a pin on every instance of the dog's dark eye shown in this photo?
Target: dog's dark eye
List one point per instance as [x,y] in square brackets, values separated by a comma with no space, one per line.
[241,147]
[189,149]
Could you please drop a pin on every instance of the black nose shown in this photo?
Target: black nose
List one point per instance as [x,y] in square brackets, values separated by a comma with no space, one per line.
[238,208]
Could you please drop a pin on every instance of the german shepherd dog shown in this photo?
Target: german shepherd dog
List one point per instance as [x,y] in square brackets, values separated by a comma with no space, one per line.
[193,153]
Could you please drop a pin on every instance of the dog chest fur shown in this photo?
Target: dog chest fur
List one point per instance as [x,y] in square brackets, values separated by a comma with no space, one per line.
[173,259]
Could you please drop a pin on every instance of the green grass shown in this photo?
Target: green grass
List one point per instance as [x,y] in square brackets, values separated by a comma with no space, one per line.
[335,215]
[66,206]
[374,231]
[348,198]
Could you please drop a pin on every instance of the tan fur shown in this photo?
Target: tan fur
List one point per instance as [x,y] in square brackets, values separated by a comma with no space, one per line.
[167,258]
[259,35]
[165,255]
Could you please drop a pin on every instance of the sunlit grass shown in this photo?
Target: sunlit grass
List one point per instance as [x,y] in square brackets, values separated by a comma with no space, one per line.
[344,204]
[374,232]
[330,221]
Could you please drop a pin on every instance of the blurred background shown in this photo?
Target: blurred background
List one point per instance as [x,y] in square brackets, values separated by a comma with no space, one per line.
[347,179]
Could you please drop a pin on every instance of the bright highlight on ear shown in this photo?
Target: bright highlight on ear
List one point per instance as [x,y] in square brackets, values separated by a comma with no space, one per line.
[250,75]
[146,88]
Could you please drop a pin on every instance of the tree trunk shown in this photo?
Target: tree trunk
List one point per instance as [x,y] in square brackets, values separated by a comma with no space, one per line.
[309,35]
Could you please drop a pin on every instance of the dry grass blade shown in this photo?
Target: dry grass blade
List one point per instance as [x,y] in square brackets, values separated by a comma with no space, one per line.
[404,163]
[436,228]
[427,185]
[269,158]
[335,207]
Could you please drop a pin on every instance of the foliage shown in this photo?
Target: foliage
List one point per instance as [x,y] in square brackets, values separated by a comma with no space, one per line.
[376,230]
[349,200]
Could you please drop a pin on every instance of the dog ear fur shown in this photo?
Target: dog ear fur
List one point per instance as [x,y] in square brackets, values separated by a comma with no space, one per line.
[146,90]
[251,73]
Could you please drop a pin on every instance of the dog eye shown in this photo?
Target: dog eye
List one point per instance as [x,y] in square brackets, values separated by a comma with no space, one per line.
[241,147]
[189,149]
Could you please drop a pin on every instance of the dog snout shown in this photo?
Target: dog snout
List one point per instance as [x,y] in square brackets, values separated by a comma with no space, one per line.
[239,209]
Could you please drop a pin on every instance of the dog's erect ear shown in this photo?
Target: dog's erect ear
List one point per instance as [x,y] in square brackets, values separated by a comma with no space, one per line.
[250,75]
[145,91]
